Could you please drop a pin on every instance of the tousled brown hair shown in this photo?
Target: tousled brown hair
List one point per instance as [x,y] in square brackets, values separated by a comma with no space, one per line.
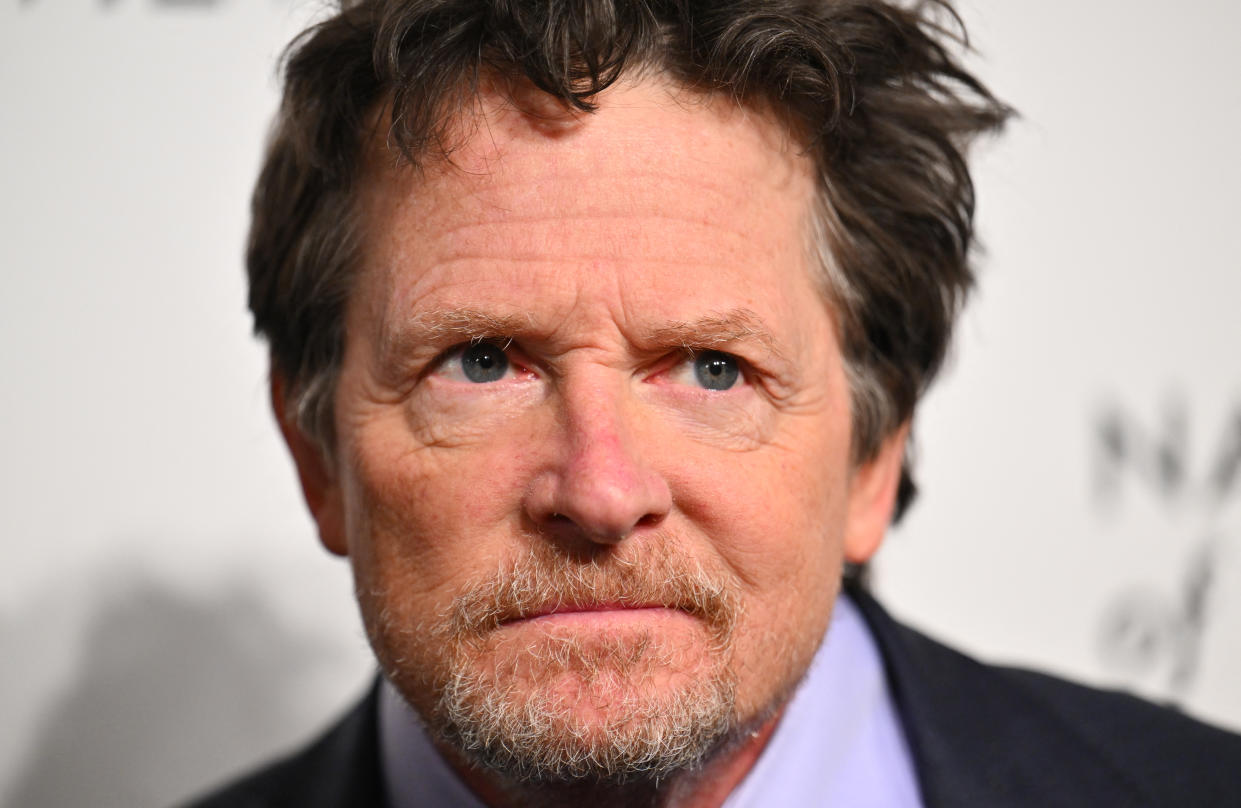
[871,88]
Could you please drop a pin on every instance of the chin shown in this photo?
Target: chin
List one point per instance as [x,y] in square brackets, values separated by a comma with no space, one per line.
[604,674]
[538,705]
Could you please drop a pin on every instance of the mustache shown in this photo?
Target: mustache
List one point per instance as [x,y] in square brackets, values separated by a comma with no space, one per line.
[543,581]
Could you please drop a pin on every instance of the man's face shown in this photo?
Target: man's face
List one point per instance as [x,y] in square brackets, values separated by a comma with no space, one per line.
[593,466]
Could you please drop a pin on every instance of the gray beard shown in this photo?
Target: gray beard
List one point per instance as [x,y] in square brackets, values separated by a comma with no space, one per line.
[593,714]
[540,737]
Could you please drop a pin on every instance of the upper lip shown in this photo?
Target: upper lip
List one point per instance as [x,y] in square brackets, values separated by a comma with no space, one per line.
[570,608]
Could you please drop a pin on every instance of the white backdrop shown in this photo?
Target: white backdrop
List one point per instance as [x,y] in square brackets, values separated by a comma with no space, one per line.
[166,614]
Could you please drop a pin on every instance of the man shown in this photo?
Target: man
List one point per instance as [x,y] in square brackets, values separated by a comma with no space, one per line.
[596,332]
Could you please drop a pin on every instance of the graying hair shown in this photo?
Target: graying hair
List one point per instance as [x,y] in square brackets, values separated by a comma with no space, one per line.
[871,88]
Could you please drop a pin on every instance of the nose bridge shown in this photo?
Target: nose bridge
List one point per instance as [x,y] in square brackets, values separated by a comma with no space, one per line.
[601,443]
[604,481]
[594,413]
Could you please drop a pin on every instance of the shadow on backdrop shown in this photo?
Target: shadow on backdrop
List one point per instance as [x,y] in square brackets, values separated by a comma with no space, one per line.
[173,694]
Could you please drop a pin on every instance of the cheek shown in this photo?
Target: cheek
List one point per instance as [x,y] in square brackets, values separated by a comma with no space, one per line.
[774,515]
[735,421]
[776,520]
[423,520]
[462,417]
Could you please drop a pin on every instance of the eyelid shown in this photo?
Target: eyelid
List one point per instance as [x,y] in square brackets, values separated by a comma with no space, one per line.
[502,343]
[447,359]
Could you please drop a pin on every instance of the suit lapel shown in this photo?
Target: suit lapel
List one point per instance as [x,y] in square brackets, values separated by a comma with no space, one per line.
[978,736]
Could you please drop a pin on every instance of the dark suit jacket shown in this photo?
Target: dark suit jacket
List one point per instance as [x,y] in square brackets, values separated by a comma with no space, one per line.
[980,736]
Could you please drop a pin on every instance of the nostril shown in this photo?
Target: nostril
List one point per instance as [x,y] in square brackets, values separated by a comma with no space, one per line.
[650,520]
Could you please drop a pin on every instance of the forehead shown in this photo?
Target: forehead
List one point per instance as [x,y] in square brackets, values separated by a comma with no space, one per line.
[657,177]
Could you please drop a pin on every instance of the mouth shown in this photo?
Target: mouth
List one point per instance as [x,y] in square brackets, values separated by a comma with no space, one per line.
[600,616]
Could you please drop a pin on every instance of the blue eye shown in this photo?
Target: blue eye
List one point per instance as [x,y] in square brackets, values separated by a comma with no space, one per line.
[715,370]
[483,362]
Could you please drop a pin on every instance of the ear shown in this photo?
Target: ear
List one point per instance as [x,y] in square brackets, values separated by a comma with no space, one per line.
[872,496]
[319,484]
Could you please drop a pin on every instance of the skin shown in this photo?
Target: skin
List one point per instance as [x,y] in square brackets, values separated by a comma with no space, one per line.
[601,251]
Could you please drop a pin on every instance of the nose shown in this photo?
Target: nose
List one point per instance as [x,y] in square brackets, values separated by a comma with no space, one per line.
[600,483]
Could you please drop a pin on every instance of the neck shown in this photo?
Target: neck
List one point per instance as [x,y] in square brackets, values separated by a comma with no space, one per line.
[703,787]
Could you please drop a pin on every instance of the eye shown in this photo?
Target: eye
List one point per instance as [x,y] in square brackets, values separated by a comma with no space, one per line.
[710,370]
[715,370]
[476,362]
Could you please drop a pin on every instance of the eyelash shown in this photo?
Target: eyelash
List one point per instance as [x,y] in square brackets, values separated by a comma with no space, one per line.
[445,359]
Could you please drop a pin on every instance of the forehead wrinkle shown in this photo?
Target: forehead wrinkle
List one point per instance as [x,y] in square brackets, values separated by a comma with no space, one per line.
[505,193]
[521,227]
[499,145]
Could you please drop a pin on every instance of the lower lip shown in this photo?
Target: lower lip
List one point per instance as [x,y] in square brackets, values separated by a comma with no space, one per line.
[604,619]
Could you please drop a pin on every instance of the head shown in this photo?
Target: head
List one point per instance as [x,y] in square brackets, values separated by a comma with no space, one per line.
[596,333]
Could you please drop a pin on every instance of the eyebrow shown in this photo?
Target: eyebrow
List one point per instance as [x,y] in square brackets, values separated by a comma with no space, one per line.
[711,332]
[453,325]
[718,331]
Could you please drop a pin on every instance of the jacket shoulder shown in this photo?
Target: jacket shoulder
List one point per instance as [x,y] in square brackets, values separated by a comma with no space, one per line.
[340,769]
[990,735]
[1163,749]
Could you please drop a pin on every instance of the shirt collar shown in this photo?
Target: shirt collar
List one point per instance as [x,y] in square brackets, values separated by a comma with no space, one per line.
[415,775]
[839,740]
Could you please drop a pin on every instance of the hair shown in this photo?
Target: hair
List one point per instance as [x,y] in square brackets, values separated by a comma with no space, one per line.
[872,89]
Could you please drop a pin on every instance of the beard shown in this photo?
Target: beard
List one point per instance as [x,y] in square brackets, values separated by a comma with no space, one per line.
[563,706]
